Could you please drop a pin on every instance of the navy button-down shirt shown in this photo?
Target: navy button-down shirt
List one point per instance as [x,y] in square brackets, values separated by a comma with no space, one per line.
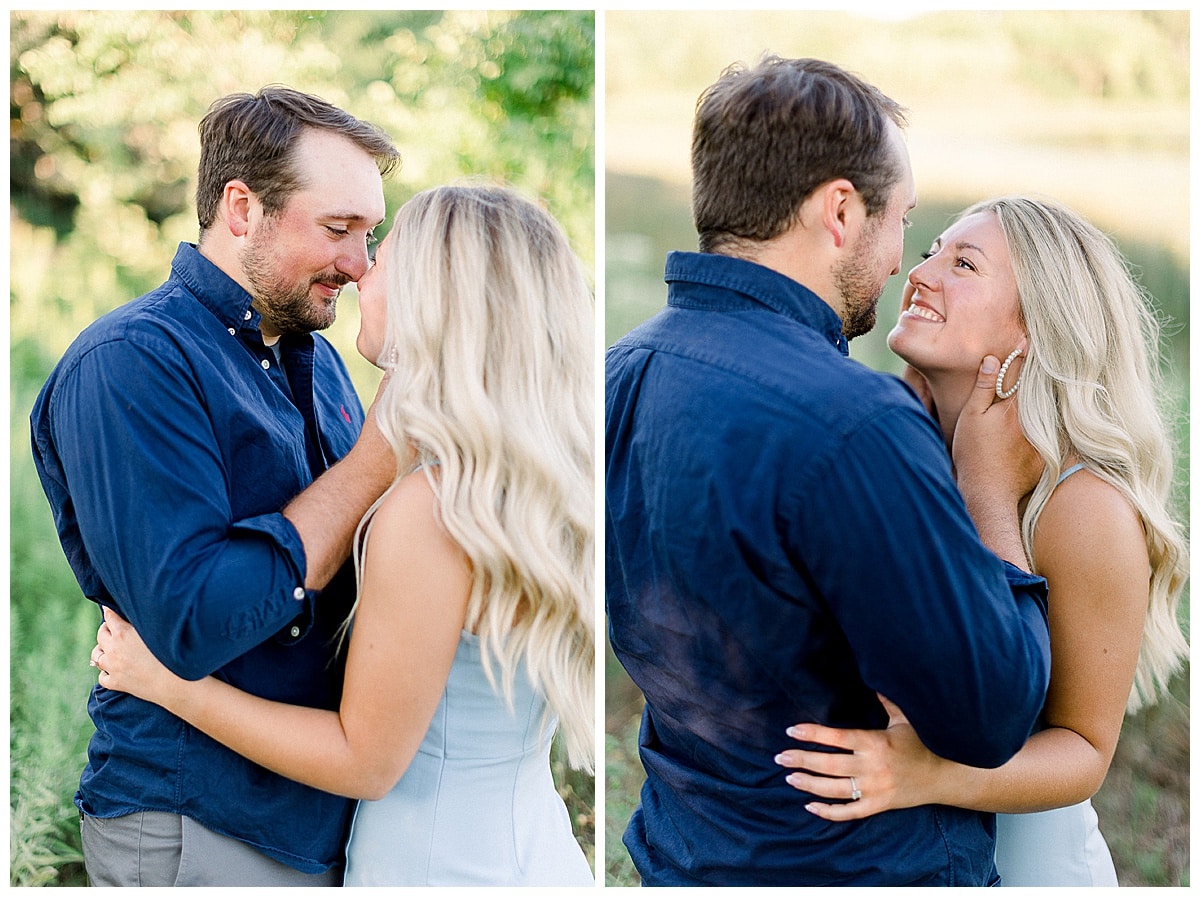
[784,539]
[168,439]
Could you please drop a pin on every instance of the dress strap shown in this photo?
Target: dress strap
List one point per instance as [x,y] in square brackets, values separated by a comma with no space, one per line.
[1070,470]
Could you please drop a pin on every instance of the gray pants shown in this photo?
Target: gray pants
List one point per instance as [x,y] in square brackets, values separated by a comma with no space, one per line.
[149,849]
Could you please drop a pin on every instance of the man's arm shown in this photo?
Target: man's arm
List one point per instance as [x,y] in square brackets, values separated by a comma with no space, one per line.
[929,612]
[327,513]
[149,487]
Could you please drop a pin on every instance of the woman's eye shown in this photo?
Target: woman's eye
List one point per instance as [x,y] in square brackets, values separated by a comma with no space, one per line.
[961,262]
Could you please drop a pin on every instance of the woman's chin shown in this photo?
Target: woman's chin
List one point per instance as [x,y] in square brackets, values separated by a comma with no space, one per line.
[899,343]
[370,354]
[912,344]
[909,350]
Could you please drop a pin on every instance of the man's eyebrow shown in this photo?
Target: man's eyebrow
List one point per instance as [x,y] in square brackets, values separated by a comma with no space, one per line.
[353,218]
[346,216]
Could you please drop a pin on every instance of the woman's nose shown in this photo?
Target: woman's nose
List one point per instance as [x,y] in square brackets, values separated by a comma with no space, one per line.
[921,275]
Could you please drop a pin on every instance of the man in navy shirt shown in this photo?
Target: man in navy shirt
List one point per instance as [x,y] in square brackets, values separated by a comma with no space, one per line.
[201,451]
[784,534]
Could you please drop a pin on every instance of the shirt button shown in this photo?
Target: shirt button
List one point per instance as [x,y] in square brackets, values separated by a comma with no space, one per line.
[295,631]
[298,594]
[266,365]
[247,316]
[232,332]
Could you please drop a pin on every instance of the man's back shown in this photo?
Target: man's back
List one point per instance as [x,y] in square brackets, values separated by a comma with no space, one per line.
[768,507]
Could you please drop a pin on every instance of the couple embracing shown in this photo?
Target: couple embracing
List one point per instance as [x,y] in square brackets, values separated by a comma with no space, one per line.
[886,629]
[369,625]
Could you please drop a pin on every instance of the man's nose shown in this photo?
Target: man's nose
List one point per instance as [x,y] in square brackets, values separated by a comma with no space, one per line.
[356,260]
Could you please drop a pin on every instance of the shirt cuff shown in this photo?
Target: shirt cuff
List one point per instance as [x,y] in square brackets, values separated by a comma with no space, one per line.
[1029,583]
[287,539]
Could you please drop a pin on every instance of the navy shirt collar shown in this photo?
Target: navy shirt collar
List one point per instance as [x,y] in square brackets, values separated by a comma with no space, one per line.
[689,274]
[216,290]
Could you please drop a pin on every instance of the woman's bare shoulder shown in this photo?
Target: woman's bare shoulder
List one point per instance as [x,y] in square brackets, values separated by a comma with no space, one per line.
[407,515]
[1087,521]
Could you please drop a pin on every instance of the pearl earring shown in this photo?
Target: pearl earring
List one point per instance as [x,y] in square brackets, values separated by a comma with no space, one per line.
[1000,391]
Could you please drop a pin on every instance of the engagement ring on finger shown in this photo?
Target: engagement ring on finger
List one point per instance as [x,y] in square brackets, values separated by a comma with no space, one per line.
[855,794]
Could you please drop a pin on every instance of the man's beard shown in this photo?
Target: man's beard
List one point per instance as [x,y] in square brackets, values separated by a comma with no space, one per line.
[859,287]
[288,306]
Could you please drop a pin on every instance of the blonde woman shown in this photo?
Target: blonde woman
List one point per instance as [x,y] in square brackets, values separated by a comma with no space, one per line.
[1030,282]
[474,626]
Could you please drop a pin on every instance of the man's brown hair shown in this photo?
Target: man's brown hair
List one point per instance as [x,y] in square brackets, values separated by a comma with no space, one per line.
[764,138]
[253,137]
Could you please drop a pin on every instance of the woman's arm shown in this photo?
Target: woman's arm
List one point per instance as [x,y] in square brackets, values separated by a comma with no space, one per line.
[1091,548]
[416,582]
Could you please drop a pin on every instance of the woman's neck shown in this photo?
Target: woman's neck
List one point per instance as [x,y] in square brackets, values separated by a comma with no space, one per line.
[950,392]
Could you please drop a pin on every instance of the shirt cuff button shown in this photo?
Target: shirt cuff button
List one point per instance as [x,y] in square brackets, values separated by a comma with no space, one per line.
[298,594]
[295,631]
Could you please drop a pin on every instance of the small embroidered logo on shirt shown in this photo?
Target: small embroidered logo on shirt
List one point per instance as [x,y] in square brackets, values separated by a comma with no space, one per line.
[346,415]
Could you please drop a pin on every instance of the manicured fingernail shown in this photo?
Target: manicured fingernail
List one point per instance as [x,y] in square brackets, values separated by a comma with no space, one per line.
[990,364]
[780,759]
[791,731]
[812,808]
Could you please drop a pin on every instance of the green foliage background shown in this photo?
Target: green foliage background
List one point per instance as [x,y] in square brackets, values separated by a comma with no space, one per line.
[103,148]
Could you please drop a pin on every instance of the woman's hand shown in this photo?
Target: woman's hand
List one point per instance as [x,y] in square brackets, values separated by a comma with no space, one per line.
[989,447]
[995,465]
[890,768]
[127,665]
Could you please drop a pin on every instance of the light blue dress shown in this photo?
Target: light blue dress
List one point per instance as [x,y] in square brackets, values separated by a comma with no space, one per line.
[477,805]
[1054,847]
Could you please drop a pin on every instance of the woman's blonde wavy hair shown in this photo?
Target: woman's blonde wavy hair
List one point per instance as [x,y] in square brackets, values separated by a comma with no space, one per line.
[489,339]
[1090,387]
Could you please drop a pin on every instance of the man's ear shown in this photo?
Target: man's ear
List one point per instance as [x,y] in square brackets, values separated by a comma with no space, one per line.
[842,210]
[238,208]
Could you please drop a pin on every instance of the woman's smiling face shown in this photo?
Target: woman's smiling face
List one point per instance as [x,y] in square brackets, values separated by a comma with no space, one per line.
[960,303]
